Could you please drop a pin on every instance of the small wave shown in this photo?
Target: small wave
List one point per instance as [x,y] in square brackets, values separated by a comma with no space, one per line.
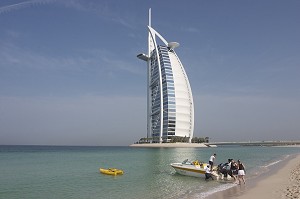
[215,190]
[272,163]
[276,162]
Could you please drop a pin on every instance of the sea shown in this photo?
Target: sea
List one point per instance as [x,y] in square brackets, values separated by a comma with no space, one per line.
[73,171]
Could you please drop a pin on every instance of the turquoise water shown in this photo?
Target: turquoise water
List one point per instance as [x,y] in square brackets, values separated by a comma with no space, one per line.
[73,172]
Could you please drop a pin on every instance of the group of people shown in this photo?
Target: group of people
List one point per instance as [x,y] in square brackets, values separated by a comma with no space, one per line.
[235,169]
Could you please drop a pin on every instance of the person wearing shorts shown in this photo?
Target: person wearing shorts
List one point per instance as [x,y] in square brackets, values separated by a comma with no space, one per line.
[241,172]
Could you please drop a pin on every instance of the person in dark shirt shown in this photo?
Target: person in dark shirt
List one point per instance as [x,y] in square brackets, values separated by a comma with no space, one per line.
[233,172]
[241,172]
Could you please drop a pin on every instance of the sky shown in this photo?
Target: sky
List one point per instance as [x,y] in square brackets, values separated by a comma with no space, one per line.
[69,74]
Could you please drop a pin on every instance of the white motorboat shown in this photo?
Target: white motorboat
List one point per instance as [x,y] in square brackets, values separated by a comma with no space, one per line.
[195,169]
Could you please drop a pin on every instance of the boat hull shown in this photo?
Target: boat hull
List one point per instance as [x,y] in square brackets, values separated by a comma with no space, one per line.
[111,171]
[191,170]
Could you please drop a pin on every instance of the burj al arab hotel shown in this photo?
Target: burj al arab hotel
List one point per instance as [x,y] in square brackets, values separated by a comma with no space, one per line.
[170,109]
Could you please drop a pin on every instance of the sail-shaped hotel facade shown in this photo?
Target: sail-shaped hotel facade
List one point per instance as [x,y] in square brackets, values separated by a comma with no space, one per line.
[170,109]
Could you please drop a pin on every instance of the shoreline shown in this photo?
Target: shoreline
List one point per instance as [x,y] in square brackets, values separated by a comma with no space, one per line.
[173,145]
[281,181]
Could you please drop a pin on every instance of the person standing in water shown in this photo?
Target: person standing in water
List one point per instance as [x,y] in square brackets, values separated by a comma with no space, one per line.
[211,161]
[241,172]
[233,169]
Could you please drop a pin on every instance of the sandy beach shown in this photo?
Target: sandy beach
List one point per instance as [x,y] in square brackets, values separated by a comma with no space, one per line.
[283,181]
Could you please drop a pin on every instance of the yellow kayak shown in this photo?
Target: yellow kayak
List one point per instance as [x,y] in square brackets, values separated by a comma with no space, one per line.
[111,171]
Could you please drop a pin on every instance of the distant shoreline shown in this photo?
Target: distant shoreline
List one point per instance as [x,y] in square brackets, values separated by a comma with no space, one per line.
[173,145]
[217,144]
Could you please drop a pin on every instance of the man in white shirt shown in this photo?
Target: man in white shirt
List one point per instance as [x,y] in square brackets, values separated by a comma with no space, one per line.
[208,173]
[211,161]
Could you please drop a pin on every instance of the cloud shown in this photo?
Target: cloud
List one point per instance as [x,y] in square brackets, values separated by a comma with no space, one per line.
[103,10]
[110,59]
[17,59]
[12,34]
[191,30]
[22,5]
[100,9]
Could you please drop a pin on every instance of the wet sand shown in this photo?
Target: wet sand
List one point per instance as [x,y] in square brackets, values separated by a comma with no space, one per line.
[282,181]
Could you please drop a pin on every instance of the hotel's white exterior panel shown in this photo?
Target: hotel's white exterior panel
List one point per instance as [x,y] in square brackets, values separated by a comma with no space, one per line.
[170,110]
